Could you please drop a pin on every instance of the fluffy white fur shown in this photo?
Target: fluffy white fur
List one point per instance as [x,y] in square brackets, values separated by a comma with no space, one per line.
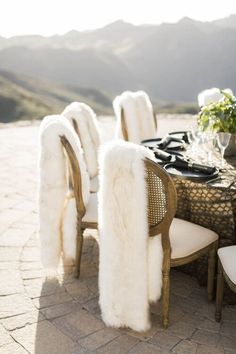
[138,116]
[88,133]
[53,188]
[130,269]
[211,95]
[69,231]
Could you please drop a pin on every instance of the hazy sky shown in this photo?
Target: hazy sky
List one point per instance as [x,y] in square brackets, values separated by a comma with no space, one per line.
[49,17]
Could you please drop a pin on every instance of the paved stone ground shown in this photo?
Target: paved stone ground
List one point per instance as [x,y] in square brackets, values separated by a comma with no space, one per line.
[60,314]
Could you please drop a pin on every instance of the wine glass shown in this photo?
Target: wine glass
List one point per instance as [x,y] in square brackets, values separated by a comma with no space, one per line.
[194,137]
[223,142]
[209,145]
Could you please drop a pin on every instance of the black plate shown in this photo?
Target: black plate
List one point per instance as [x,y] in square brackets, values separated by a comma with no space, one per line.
[173,145]
[183,173]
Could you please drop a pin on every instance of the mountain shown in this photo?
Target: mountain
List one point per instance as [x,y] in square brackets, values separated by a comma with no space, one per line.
[85,68]
[228,22]
[186,59]
[118,35]
[27,98]
[172,62]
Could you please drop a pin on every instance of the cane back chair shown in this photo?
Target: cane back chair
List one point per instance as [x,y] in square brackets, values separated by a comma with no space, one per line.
[124,125]
[93,180]
[182,241]
[227,271]
[86,214]
[90,140]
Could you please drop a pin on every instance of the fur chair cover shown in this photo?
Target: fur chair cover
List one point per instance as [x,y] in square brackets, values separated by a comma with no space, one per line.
[138,116]
[130,268]
[53,188]
[88,133]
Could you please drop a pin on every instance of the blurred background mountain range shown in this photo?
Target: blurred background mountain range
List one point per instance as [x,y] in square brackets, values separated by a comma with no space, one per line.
[171,62]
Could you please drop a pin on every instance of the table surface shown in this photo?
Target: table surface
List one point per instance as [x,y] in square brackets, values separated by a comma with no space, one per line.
[226,178]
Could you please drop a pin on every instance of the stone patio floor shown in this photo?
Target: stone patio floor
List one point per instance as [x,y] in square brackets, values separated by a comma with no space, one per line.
[60,314]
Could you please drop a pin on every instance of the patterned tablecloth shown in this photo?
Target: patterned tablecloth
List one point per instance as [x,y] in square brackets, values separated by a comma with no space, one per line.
[212,205]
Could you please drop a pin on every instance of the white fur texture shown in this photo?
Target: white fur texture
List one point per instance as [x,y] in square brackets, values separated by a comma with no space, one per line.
[211,95]
[130,268]
[138,116]
[88,133]
[53,187]
[69,230]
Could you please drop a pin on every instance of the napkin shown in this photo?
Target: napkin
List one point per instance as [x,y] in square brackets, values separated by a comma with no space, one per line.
[194,167]
[180,162]
[167,140]
[163,155]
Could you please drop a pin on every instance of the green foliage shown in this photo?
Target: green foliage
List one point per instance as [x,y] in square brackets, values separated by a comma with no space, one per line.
[219,116]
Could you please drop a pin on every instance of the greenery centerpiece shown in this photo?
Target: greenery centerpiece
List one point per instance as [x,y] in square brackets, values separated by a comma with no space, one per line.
[220,116]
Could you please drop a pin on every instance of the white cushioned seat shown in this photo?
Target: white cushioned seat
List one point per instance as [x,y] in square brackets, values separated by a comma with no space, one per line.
[94,184]
[91,214]
[227,257]
[187,238]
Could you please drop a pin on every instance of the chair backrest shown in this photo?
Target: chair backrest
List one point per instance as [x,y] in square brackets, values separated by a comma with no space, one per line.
[84,121]
[74,176]
[162,202]
[135,118]
[53,185]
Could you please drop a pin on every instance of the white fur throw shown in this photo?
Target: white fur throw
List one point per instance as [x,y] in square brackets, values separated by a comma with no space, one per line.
[130,268]
[88,133]
[138,114]
[211,95]
[53,188]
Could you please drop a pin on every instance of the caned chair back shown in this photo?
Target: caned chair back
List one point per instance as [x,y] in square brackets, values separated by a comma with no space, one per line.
[162,202]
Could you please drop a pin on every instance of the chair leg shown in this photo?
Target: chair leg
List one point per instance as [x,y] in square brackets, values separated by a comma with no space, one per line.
[211,272]
[219,292]
[79,246]
[165,298]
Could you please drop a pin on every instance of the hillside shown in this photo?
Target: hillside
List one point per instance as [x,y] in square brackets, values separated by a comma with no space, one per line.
[172,62]
[26,98]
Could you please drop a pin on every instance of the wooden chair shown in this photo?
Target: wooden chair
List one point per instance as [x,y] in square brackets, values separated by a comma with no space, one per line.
[136,120]
[82,117]
[227,271]
[86,215]
[124,125]
[182,241]
[93,180]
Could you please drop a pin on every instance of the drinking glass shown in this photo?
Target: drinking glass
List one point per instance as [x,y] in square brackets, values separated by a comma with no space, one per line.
[194,137]
[209,145]
[223,142]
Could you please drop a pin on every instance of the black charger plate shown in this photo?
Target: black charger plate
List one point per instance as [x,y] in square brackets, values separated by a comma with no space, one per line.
[173,145]
[187,174]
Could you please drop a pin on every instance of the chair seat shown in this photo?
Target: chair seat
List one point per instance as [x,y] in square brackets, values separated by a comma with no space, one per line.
[94,184]
[91,215]
[227,256]
[187,238]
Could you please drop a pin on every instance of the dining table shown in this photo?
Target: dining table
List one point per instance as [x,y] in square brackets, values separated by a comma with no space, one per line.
[206,200]
[212,205]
